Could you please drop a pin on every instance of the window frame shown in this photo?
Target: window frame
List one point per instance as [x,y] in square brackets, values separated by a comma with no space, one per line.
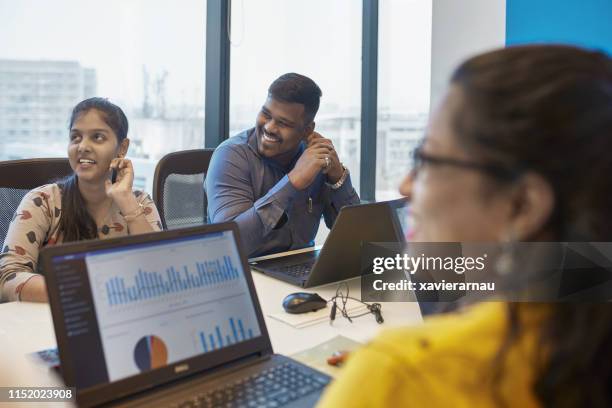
[217,83]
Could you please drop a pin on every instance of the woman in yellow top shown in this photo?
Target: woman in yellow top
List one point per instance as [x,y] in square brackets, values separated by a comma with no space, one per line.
[520,150]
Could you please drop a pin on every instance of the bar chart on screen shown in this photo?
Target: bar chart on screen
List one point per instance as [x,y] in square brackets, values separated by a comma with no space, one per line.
[136,284]
[231,332]
[143,284]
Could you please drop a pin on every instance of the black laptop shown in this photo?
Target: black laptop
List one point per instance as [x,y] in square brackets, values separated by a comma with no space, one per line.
[168,319]
[340,256]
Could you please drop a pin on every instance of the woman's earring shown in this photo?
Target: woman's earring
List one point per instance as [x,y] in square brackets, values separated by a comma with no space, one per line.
[505,262]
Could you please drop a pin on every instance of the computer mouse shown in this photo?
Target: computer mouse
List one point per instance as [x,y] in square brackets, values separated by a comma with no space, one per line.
[302,302]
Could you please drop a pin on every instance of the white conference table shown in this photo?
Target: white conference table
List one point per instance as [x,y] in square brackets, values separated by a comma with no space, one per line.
[28,327]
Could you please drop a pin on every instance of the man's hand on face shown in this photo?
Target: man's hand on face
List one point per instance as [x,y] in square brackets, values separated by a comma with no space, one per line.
[313,161]
[334,170]
[313,137]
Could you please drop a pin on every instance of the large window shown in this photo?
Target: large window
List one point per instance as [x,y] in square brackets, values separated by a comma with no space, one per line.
[317,38]
[404,60]
[147,56]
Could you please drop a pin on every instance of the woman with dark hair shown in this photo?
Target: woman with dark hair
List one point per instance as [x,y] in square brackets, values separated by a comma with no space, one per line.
[518,151]
[85,205]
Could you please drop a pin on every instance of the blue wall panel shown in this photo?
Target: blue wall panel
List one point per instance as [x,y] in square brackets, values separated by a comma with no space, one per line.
[586,23]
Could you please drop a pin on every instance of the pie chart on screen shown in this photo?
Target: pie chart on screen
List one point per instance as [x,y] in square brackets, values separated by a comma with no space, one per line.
[150,352]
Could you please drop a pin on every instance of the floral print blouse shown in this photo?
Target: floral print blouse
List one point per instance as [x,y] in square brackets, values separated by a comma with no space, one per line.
[35,225]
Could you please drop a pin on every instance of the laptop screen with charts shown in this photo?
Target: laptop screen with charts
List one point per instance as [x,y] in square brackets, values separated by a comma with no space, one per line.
[138,312]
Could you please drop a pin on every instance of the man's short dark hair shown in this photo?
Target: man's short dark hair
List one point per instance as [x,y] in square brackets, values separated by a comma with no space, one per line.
[296,88]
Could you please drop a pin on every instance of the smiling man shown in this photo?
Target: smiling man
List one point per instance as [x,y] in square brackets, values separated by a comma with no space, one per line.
[277,179]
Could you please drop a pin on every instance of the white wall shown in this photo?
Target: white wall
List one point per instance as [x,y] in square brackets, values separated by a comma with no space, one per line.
[460,29]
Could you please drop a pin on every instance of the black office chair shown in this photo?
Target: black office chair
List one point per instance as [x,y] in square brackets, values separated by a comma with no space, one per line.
[178,189]
[17,177]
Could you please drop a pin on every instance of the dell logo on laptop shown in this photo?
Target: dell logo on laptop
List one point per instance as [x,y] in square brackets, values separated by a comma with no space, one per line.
[181,368]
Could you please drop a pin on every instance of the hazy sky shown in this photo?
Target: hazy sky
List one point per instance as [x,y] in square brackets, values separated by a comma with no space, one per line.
[320,38]
[116,37]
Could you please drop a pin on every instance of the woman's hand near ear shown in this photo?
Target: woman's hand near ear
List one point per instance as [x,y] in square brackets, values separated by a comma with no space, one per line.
[122,194]
[121,191]
[125,179]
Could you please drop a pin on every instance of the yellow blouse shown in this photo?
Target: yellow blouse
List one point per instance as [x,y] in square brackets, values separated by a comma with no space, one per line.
[446,362]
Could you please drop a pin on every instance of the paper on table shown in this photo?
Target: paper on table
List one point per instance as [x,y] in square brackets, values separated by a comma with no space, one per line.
[316,357]
[311,318]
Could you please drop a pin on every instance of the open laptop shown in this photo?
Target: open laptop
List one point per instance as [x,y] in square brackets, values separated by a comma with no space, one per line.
[168,319]
[340,256]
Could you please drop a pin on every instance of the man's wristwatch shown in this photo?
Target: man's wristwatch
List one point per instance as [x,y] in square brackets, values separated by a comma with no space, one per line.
[340,182]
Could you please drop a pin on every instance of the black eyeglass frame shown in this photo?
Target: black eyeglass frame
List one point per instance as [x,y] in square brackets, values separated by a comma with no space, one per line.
[420,158]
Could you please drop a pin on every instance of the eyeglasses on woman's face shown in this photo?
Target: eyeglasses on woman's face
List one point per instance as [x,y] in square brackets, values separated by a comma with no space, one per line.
[420,159]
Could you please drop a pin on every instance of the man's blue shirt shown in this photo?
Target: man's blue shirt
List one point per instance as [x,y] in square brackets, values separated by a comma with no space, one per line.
[255,192]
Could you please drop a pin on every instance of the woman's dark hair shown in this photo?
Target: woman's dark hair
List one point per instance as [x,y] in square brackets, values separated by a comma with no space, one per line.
[548,109]
[296,88]
[76,223]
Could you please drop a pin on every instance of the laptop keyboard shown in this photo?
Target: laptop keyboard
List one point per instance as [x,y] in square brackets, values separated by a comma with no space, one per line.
[298,271]
[273,387]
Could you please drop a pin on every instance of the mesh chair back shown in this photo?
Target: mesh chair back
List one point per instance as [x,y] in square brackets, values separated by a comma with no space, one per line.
[178,189]
[17,177]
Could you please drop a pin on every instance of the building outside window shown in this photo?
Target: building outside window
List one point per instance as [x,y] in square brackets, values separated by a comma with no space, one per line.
[147,56]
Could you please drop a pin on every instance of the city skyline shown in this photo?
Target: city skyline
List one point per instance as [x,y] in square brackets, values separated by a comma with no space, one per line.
[149,59]
[125,35]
